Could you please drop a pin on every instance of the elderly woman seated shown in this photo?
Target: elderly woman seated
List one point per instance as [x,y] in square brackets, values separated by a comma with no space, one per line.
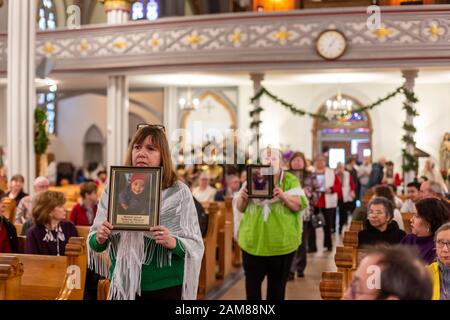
[380,226]
[204,192]
[51,231]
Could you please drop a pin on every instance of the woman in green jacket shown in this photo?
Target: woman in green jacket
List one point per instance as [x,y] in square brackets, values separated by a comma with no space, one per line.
[163,263]
[270,231]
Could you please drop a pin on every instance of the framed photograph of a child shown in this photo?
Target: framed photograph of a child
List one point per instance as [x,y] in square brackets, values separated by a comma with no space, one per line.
[259,181]
[134,197]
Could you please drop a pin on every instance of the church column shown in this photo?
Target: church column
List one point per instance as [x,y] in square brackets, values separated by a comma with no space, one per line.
[118,12]
[257,78]
[410,78]
[21,91]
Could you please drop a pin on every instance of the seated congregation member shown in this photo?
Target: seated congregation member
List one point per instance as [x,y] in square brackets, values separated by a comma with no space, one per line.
[51,232]
[403,276]
[23,210]
[440,270]
[380,228]
[204,192]
[270,231]
[232,187]
[413,194]
[164,263]
[16,192]
[83,214]
[297,165]
[431,214]
[386,192]
[8,234]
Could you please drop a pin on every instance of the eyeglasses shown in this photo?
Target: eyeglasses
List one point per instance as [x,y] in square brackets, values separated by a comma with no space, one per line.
[156,126]
[441,244]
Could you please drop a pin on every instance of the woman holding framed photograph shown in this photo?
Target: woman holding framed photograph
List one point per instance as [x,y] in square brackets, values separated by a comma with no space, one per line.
[164,262]
[270,231]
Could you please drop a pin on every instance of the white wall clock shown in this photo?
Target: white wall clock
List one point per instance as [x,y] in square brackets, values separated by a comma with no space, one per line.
[331,44]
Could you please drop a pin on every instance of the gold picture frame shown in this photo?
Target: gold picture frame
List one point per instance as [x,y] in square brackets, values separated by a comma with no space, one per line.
[134,197]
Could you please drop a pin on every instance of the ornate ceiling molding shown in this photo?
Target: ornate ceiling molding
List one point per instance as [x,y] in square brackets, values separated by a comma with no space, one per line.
[252,41]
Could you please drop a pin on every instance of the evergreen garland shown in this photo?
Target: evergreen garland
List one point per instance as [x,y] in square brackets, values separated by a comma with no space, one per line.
[411,163]
[41,139]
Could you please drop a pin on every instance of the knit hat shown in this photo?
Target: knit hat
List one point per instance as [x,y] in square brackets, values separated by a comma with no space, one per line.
[137,176]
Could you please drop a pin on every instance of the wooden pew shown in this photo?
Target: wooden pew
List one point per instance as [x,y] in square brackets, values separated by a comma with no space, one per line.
[406,217]
[356,226]
[331,286]
[207,279]
[83,231]
[41,277]
[225,238]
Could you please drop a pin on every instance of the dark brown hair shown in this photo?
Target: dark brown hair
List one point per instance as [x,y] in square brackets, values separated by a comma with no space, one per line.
[296,155]
[159,140]
[18,177]
[434,211]
[87,188]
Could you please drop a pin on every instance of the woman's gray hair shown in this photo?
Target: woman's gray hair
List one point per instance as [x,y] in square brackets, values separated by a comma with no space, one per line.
[387,204]
[444,227]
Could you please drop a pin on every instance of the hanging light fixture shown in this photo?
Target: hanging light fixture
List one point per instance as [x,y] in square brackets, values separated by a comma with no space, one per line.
[339,108]
[187,103]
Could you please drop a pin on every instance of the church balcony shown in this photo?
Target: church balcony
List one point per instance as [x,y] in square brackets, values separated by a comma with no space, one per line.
[407,36]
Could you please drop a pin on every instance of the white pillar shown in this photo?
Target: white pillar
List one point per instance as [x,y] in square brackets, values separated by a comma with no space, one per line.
[118,104]
[257,78]
[21,92]
[171,112]
[410,78]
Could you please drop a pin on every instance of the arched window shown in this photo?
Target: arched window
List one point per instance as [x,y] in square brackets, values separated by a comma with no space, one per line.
[47,15]
[145,10]
[47,102]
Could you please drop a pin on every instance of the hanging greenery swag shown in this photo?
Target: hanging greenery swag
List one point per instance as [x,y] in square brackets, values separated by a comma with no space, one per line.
[410,161]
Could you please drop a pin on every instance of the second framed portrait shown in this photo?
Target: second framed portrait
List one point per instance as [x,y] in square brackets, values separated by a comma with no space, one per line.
[260,181]
[134,197]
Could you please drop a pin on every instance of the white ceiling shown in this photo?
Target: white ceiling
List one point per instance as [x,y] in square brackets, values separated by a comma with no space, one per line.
[98,81]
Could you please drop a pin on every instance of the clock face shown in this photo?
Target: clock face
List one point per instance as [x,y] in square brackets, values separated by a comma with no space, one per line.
[331,44]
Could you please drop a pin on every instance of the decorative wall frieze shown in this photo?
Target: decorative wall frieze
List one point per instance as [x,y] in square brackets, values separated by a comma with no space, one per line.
[412,35]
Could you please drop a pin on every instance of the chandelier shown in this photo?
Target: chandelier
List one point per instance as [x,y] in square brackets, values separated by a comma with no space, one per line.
[188,103]
[339,109]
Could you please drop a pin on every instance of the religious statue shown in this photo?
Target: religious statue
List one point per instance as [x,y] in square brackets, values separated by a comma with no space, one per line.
[445,153]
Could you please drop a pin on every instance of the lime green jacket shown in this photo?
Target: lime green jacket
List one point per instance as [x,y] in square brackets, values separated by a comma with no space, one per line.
[282,232]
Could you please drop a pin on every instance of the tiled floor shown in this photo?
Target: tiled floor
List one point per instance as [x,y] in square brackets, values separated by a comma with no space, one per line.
[306,288]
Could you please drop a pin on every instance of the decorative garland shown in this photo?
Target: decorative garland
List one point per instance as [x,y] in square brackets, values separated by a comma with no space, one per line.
[41,140]
[411,163]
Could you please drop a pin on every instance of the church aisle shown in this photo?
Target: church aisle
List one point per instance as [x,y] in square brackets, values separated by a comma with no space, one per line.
[301,288]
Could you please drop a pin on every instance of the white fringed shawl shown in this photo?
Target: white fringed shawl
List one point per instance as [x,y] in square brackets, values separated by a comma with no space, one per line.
[132,249]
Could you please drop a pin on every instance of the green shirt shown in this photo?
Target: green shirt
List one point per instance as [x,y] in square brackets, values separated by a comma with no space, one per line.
[281,233]
[153,277]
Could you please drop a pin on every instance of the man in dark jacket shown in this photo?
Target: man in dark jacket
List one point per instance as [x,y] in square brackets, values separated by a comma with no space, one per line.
[380,228]
[376,175]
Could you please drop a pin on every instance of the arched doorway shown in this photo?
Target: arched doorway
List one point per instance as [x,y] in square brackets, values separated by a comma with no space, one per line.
[345,133]
[93,146]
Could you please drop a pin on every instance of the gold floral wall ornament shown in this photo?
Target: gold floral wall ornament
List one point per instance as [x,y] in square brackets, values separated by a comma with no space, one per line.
[155,42]
[84,45]
[283,35]
[434,31]
[119,44]
[49,49]
[383,32]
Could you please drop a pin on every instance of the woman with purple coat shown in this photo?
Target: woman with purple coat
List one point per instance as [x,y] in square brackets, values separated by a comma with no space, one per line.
[431,214]
[51,231]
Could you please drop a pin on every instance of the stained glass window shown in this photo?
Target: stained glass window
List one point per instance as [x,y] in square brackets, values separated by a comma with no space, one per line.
[47,102]
[145,9]
[46,15]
